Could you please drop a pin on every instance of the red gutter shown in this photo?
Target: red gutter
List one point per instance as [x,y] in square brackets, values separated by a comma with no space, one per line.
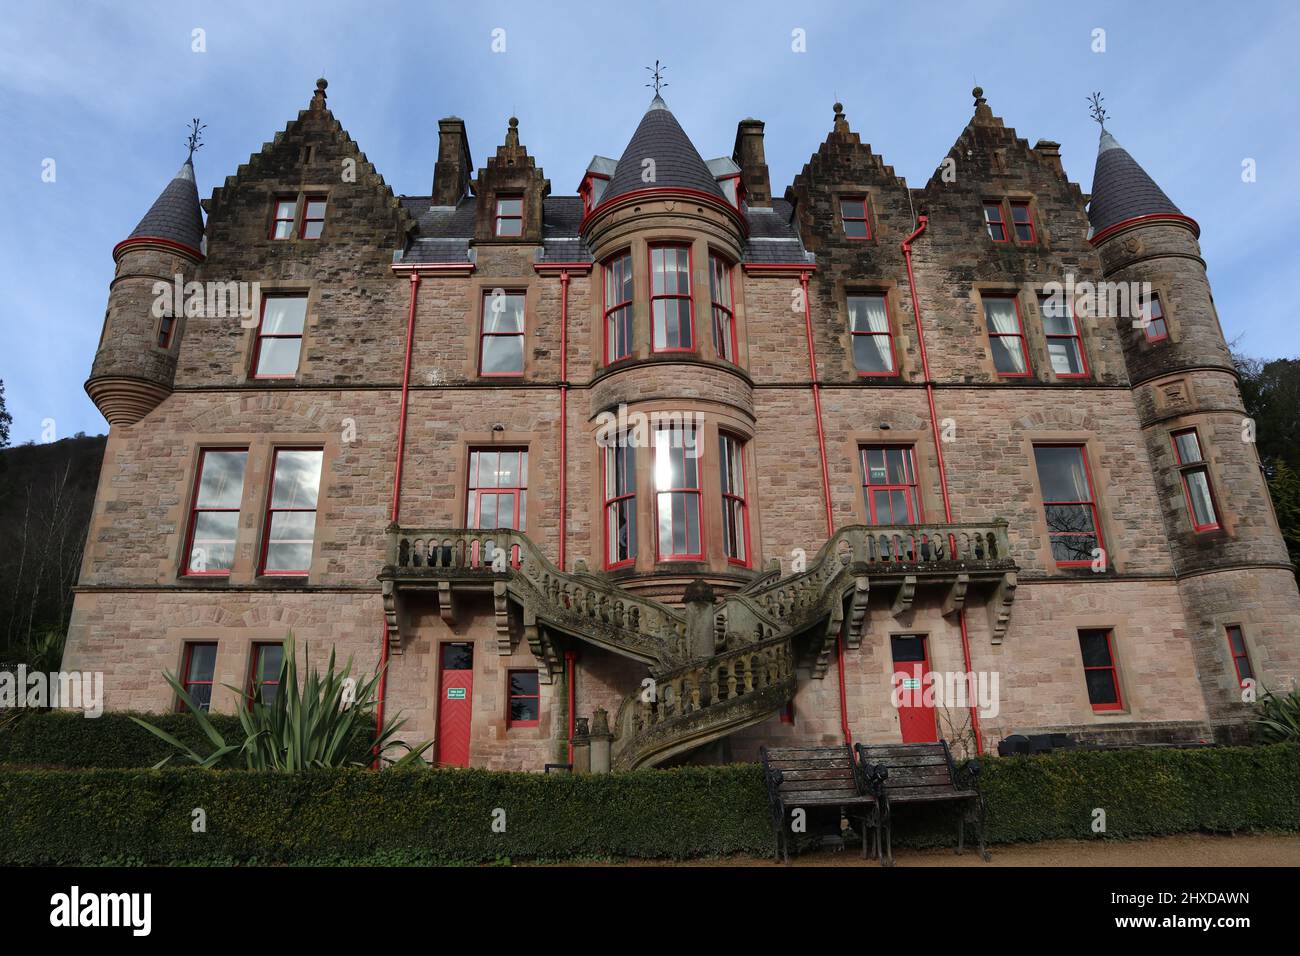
[921,223]
[826,486]
[397,489]
[1177,218]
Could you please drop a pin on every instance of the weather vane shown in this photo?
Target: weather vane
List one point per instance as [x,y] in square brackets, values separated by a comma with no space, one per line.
[657,74]
[195,139]
[1097,110]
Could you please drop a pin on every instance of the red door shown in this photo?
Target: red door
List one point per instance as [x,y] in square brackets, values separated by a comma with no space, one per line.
[455,704]
[911,678]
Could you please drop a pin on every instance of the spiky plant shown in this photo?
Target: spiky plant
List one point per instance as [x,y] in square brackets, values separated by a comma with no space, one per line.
[317,726]
[1279,718]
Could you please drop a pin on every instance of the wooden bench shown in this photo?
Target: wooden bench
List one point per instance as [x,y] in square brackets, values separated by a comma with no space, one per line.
[805,777]
[925,773]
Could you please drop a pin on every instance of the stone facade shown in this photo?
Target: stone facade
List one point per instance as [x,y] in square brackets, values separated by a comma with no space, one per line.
[1163,592]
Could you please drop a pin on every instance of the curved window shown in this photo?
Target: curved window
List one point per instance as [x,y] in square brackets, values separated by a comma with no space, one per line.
[677,493]
[670,299]
[724,323]
[618,307]
[620,505]
[735,507]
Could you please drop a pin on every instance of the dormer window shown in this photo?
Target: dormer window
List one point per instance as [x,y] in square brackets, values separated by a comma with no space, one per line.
[731,189]
[592,189]
[510,216]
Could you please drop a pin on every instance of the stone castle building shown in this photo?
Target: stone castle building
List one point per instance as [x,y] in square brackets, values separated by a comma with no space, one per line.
[674,467]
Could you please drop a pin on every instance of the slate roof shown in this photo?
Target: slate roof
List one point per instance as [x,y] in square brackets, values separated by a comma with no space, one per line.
[1121,189]
[773,237]
[677,163]
[175,215]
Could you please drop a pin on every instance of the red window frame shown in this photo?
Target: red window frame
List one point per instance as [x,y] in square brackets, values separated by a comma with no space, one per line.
[888,333]
[196,508]
[277,216]
[1091,504]
[1076,336]
[1018,334]
[694,492]
[616,264]
[725,344]
[474,493]
[1022,205]
[1240,653]
[1157,315]
[619,501]
[511,697]
[735,503]
[1112,668]
[995,206]
[166,326]
[865,218]
[1188,467]
[501,217]
[308,219]
[187,679]
[268,515]
[688,295]
[257,342]
[485,334]
[260,648]
[911,489]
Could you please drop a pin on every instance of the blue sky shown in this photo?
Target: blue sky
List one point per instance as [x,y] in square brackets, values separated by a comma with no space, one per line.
[105,89]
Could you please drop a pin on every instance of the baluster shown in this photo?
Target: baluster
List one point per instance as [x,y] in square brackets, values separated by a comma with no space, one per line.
[714,673]
[731,678]
[748,667]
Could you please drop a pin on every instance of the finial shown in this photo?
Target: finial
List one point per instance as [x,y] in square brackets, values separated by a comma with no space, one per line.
[318,98]
[512,134]
[656,74]
[841,123]
[978,93]
[195,140]
[1097,110]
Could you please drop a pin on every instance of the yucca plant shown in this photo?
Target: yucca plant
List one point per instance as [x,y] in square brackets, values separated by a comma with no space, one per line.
[1279,719]
[317,726]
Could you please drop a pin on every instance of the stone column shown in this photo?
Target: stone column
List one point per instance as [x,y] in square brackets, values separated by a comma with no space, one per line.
[699,618]
[581,746]
[601,739]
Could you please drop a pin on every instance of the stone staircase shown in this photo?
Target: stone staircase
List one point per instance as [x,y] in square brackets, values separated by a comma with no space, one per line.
[714,667]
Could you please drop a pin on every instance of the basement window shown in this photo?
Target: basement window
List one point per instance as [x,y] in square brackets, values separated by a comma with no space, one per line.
[1240,656]
[525,699]
[264,674]
[1100,674]
[196,675]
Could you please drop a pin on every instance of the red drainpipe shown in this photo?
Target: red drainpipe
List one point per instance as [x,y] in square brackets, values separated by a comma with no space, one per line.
[921,223]
[397,490]
[564,412]
[826,487]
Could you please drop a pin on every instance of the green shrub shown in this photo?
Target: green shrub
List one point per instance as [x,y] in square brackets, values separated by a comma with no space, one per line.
[69,739]
[446,816]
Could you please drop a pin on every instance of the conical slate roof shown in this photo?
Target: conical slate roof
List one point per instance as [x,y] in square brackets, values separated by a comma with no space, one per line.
[1122,190]
[175,215]
[677,164]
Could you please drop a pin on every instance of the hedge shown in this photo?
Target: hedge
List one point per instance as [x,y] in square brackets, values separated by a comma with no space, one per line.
[69,739]
[446,816]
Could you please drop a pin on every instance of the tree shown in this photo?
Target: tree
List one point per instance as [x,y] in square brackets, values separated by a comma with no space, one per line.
[5,418]
[1271,394]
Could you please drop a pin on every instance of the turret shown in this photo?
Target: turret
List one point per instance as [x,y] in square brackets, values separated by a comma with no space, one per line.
[1232,563]
[136,361]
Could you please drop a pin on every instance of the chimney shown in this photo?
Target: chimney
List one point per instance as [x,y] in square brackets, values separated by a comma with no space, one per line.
[1050,153]
[452,172]
[748,155]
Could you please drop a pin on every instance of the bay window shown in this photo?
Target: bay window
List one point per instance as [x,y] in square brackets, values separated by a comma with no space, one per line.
[735,507]
[724,325]
[671,310]
[620,505]
[618,307]
[677,493]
